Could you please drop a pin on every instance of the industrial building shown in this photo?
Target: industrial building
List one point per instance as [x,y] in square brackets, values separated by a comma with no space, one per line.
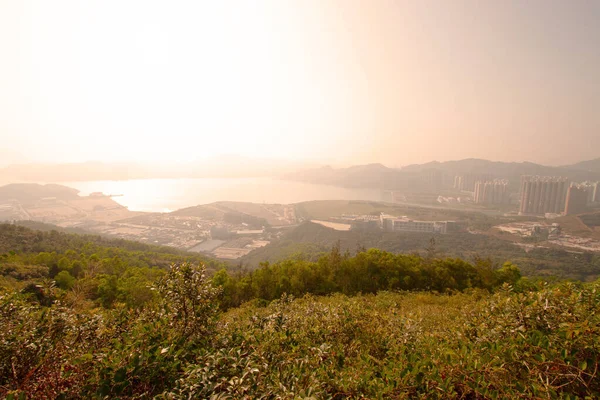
[542,194]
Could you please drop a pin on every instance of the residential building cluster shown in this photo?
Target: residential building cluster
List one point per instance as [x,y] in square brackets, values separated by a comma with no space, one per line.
[491,192]
[467,182]
[591,190]
[556,196]
[429,180]
[543,194]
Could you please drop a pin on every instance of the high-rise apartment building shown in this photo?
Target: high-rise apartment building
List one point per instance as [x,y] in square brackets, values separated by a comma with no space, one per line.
[543,194]
[491,192]
[590,193]
[577,197]
[467,182]
[589,188]
[430,180]
[596,196]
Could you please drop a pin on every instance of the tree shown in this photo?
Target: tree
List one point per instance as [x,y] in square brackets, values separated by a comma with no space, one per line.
[64,264]
[189,299]
[509,273]
[431,249]
[107,290]
[64,280]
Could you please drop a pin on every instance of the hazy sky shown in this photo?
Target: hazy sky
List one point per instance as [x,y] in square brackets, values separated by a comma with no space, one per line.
[342,81]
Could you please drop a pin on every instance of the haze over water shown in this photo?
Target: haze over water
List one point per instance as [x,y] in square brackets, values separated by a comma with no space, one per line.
[164,195]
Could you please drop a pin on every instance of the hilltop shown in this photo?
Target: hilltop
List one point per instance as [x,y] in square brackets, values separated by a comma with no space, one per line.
[30,192]
[53,203]
[590,165]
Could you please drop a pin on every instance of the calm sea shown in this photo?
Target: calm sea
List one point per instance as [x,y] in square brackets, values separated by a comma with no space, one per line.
[163,195]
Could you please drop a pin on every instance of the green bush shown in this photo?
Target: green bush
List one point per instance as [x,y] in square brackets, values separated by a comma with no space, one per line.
[530,345]
[64,280]
[456,340]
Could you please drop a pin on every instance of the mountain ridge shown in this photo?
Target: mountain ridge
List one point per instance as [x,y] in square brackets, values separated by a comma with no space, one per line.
[588,165]
[379,175]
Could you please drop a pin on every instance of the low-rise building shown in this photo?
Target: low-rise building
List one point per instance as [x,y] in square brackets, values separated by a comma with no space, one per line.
[365,224]
[361,222]
[414,226]
[404,224]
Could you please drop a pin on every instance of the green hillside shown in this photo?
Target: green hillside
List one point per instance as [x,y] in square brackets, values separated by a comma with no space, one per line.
[308,241]
[372,325]
[92,268]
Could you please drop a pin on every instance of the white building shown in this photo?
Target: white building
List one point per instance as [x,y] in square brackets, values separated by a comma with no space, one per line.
[404,224]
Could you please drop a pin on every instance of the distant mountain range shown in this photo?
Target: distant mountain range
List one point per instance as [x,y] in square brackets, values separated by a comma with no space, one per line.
[439,174]
[417,176]
[370,175]
[475,165]
[590,165]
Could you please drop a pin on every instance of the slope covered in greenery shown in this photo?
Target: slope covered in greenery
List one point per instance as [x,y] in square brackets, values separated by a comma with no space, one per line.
[536,344]
[369,271]
[31,236]
[373,325]
[90,268]
[309,241]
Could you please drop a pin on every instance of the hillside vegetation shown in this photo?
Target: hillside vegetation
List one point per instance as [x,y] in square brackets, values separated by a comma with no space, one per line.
[308,241]
[538,344]
[373,325]
[369,271]
[91,269]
